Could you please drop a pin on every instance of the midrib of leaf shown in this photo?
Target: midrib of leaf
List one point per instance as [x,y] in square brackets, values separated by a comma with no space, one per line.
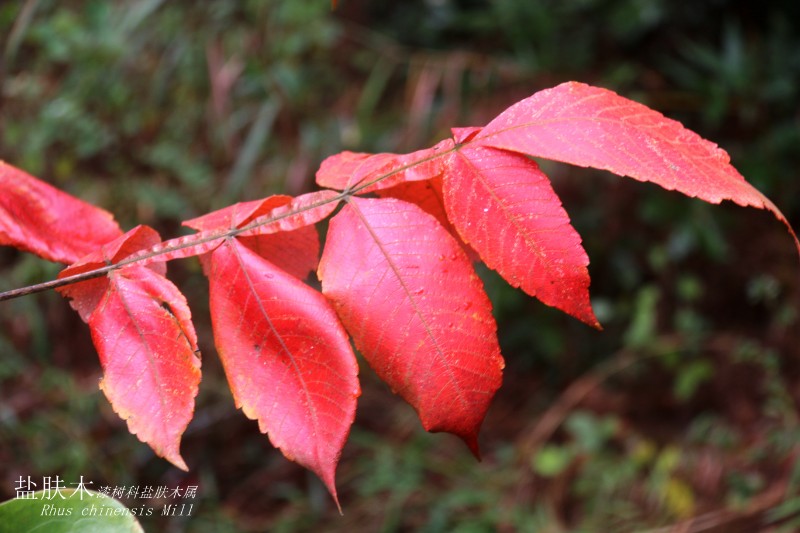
[285,348]
[652,131]
[759,200]
[396,271]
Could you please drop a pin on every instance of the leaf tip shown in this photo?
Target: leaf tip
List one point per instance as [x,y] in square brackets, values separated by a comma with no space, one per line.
[327,477]
[590,319]
[464,135]
[177,461]
[471,441]
[582,310]
[336,500]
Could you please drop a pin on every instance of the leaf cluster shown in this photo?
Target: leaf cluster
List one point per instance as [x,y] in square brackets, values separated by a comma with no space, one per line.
[396,272]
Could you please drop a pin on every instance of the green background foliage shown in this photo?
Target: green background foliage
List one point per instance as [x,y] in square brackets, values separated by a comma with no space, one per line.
[685,406]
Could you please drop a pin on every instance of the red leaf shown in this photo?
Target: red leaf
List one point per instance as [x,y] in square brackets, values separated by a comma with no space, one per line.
[85,296]
[282,231]
[429,196]
[143,333]
[141,327]
[340,171]
[593,127]
[270,215]
[408,295]
[464,135]
[237,215]
[288,360]
[296,252]
[50,223]
[289,242]
[179,248]
[425,194]
[503,205]
[301,211]
[348,170]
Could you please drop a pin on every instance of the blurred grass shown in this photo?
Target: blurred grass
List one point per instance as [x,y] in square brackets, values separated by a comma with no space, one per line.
[685,406]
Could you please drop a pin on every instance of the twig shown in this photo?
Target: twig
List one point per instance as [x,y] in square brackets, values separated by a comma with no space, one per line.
[721,520]
[181,243]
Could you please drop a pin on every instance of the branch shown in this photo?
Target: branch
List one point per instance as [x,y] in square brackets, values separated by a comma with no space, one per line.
[170,247]
[167,248]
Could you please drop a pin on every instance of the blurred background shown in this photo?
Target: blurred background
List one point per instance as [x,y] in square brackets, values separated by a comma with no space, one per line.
[683,412]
